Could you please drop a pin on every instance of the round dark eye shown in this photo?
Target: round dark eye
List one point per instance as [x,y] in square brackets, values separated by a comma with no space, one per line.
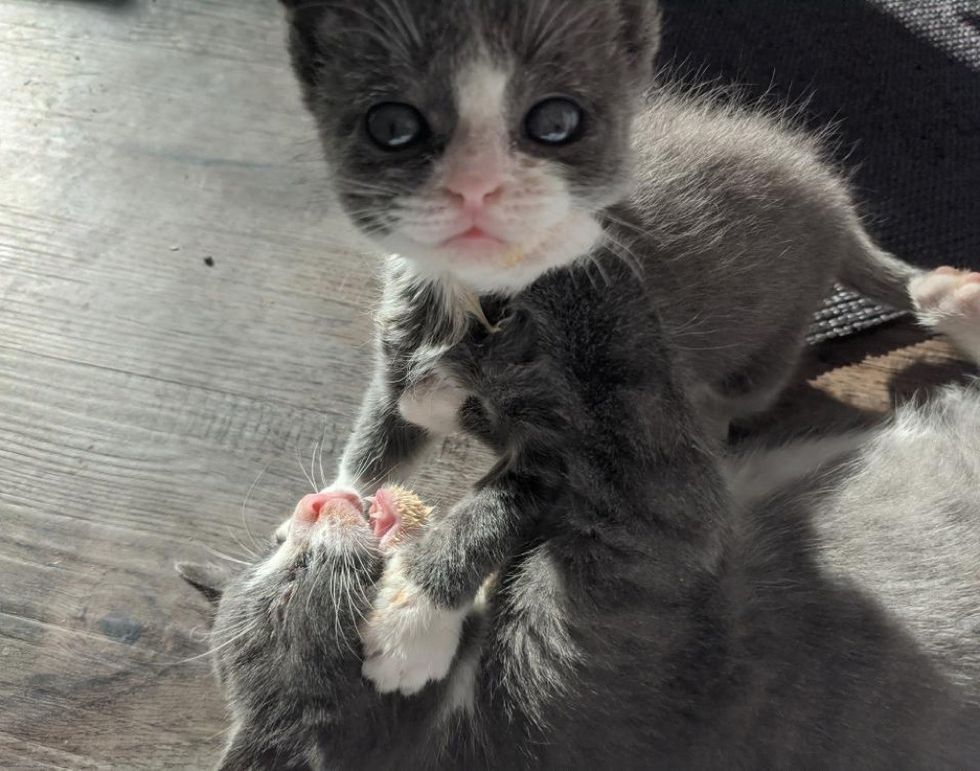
[554,121]
[395,126]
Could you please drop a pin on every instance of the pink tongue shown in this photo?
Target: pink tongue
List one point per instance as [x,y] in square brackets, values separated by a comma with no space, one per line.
[382,514]
[382,523]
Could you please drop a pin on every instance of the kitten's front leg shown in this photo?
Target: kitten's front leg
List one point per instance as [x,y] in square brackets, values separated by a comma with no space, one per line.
[383,445]
[395,425]
[428,588]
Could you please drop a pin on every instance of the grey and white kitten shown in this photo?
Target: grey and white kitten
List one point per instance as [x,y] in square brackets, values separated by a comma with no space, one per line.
[485,142]
[491,143]
[643,617]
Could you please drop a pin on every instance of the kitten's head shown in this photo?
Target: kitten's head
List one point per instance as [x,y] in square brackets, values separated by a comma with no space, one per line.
[285,641]
[478,138]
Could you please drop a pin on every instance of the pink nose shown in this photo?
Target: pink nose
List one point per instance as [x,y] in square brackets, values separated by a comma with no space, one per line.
[311,507]
[474,190]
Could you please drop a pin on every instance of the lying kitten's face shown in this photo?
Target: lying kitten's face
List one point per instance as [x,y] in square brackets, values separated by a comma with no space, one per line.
[478,138]
[285,638]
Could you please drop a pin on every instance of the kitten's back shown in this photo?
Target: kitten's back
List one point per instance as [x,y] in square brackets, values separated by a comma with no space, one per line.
[904,525]
[743,224]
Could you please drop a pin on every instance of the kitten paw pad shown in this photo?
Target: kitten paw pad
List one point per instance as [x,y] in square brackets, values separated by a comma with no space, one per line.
[947,291]
[948,300]
[408,640]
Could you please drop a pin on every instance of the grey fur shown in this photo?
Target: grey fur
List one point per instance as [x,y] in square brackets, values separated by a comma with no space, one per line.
[732,222]
[914,538]
[735,220]
[642,618]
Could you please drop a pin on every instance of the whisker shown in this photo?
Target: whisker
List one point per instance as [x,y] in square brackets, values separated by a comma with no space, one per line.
[313,568]
[628,258]
[222,555]
[408,22]
[243,547]
[217,648]
[316,445]
[323,477]
[248,496]
[346,592]
[302,467]
[336,609]
[628,225]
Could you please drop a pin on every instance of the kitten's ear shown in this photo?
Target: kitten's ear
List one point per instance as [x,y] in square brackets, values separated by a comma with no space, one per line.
[641,28]
[307,19]
[210,580]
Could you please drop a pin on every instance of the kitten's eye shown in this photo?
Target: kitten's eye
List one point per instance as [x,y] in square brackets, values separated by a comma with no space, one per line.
[554,121]
[395,126]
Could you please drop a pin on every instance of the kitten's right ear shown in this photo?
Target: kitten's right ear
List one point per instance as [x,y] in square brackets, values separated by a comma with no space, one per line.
[210,580]
[306,20]
[641,30]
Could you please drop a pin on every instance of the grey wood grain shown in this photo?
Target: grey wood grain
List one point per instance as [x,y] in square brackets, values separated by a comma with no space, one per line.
[143,392]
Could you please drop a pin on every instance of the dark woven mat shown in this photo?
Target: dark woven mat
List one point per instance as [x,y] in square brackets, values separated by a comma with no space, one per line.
[900,79]
[845,313]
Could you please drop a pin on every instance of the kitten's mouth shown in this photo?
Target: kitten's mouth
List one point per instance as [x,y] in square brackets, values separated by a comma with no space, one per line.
[475,241]
[476,247]
[382,515]
[394,514]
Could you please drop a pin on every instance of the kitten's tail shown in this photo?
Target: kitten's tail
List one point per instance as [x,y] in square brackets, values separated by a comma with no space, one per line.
[870,270]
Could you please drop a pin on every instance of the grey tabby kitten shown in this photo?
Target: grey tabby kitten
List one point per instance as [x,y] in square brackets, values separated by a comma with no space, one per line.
[643,618]
[490,143]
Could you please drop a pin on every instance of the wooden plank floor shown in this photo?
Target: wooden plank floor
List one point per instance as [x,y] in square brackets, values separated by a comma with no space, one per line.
[175,331]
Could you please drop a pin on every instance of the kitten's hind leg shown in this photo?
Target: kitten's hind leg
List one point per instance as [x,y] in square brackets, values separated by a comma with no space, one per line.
[948,301]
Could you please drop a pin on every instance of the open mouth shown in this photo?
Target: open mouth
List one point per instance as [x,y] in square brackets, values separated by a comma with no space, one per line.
[383,514]
[396,513]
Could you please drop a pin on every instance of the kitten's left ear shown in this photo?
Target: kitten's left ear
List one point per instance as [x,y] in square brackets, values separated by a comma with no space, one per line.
[210,580]
[640,29]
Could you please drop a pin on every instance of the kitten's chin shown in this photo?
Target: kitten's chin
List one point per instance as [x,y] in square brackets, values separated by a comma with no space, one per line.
[499,267]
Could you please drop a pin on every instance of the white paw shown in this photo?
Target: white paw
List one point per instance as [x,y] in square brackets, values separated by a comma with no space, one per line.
[948,300]
[433,403]
[408,640]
